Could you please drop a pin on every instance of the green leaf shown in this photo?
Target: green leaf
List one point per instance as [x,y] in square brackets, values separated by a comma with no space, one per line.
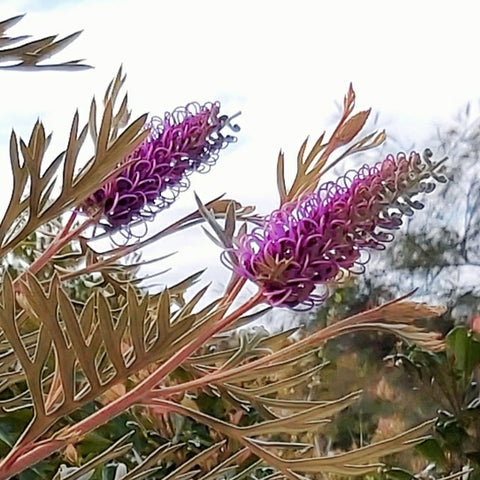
[464,349]
[211,405]
[432,451]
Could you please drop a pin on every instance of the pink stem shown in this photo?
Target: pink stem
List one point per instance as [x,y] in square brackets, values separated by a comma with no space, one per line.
[25,456]
[59,242]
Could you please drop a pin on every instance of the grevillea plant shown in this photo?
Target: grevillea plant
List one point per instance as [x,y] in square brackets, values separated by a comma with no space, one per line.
[84,349]
[312,241]
[184,141]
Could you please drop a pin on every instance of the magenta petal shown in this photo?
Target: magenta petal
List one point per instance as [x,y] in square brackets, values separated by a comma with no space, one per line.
[185,140]
[312,240]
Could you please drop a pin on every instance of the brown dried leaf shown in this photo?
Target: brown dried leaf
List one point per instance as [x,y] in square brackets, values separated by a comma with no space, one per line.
[362,460]
[350,129]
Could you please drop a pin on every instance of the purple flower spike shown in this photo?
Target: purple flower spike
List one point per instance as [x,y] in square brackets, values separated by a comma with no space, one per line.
[313,241]
[186,140]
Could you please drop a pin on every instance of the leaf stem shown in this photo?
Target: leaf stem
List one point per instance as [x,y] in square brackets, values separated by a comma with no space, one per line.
[24,456]
[65,236]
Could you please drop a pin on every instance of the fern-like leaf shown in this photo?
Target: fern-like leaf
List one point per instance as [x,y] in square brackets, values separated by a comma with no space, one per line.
[30,55]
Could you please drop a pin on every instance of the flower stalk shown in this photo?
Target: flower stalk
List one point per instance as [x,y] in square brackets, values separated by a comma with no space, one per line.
[60,241]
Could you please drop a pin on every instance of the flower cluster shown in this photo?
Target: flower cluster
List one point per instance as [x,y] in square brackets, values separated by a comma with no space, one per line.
[184,141]
[311,242]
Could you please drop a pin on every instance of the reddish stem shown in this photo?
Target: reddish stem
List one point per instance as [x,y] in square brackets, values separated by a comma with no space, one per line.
[57,244]
[25,456]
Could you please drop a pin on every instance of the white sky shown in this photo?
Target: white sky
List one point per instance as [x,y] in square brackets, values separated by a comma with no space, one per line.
[284,64]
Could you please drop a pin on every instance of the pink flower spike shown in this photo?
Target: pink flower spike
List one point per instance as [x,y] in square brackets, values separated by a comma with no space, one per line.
[314,241]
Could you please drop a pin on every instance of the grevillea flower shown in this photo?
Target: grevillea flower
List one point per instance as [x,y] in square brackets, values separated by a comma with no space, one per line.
[313,241]
[184,141]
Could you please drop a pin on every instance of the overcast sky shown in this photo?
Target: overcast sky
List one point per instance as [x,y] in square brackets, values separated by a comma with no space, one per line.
[284,64]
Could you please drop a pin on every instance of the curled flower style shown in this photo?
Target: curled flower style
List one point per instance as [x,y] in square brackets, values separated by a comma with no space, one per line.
[313,241]
[183,141]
